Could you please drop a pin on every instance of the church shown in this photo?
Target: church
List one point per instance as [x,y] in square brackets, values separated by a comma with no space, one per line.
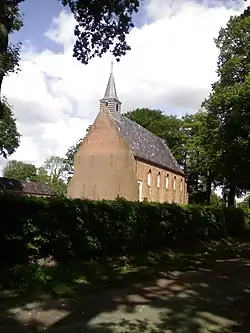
[120,158]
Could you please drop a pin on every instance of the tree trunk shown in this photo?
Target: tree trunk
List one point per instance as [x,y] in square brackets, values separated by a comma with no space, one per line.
[231,196]
[208,189]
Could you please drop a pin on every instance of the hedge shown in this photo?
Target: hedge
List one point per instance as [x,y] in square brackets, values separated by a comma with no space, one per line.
[81,229]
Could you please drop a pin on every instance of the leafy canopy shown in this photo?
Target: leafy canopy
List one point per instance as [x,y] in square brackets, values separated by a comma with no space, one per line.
[20,170]
[229,105]
[9,136]
[51,172]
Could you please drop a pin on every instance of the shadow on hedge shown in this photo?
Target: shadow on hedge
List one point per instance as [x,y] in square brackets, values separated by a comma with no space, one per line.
[200,293]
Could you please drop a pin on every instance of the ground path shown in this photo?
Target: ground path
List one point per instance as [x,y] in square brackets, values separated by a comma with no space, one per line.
[212,299]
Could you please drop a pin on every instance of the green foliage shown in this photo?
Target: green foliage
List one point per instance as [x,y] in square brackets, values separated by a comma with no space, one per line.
[9,136]
[9,60]
[70,157]
[53,173]
[82,229]
[228,107]
[216,200]
[10,21]
[102,25]
[20,170]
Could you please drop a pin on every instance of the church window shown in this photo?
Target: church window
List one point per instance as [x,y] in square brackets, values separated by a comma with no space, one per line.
[149,178]
[174,183]
[181,185]
[167,181]
[117,107]
[158,180]
[107,103]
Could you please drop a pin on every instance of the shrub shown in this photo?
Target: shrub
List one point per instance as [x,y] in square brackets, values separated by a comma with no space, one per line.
[81,229]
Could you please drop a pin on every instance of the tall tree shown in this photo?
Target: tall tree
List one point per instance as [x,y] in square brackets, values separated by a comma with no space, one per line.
[200,163]
[229,105]
[20,170]
[52,172]
[9,136]
[70,157]
[10,21]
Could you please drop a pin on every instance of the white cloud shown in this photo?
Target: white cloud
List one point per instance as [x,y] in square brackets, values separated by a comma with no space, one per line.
[172,64]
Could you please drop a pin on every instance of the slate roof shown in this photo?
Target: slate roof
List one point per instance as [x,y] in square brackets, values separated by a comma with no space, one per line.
[147,146]
[25,186]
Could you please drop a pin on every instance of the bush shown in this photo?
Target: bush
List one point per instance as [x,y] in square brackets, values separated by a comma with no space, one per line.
[33,227]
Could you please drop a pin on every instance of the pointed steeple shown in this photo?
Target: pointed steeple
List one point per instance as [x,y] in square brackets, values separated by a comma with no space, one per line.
[110,99]
[111,89]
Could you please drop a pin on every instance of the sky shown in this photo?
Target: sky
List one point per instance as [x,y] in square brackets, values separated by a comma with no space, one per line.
[171,66]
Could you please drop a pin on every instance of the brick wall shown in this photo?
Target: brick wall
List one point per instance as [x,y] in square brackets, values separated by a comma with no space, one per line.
[158,191]
[104,166]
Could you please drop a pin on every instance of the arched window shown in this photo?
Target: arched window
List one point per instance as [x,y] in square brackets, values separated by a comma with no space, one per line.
[158,179]
[181,185]
[149,177]
[174,183]
[117,107]
[167,181]
[107,103]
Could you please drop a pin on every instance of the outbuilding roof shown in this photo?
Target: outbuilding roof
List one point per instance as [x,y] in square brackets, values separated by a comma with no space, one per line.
[25,186]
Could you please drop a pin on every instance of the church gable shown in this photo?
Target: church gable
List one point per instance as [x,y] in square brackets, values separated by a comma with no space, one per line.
[104,165]
[104,137]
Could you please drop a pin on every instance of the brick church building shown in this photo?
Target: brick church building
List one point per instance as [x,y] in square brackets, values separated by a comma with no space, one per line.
[119,158]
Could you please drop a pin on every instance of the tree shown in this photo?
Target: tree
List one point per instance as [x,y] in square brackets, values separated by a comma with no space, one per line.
[229,106]
[102,25]
[200,158]
[9,136]
[20,170]
[10,21]
[53,173]
[70,157]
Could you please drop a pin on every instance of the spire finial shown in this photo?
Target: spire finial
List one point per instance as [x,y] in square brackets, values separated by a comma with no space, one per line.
[112,65]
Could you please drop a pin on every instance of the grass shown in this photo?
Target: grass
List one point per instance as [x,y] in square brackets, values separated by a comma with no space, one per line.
[66,279]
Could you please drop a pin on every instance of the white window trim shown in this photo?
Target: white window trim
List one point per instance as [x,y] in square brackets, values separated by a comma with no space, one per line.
[181,185]
[149,177]
[158,180]
[167,182]
[174,183]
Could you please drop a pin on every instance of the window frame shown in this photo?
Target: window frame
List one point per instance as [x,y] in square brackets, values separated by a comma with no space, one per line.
[149,180]
[174,183]
[158,180]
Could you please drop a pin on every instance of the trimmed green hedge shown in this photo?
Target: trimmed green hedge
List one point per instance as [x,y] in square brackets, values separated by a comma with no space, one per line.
[80,229]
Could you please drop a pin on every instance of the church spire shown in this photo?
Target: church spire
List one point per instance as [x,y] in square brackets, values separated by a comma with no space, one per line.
[111,89]
[110,99]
